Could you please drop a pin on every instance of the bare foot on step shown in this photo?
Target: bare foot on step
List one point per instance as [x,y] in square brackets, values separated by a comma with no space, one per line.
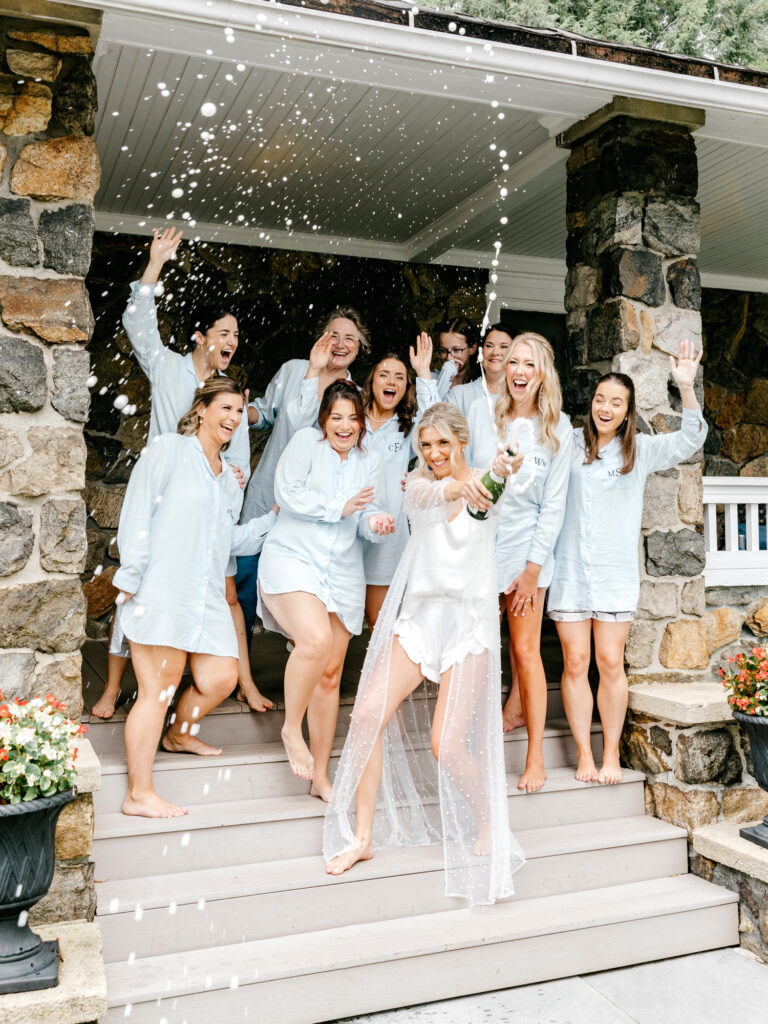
[150,805]
[586,770]
[610,773]
[533,778]
[299,757]
[512,721]
[105,705]
[342,863]
[322,789]
[248,693]
[173,743]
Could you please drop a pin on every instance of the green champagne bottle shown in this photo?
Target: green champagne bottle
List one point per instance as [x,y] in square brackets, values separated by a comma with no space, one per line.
[494,484]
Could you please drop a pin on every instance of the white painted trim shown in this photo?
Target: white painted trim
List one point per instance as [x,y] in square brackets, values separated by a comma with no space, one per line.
[135,224]
[477,210]
[732,282]
[430,48]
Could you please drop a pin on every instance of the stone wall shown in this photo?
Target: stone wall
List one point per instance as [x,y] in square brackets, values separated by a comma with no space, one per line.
[49,173]
[633,293]
[279,297]
[735,329]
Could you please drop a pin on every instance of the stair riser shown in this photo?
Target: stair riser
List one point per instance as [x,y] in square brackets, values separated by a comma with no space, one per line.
[302,837]
[187,785]
[225,921]
[406,982]
[229,728]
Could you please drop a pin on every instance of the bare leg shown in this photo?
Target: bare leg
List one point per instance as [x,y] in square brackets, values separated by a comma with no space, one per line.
[158,671]
[450,746]
[247,691]
[374,599]
[404,677]
[214,678]
[575,640]
[512,714]
[304,618]
[323,710]
[116,666]
[525,633]
[612,693]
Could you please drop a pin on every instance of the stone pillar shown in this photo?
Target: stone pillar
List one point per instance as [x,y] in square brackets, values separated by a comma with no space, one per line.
[49,174]
[632,294]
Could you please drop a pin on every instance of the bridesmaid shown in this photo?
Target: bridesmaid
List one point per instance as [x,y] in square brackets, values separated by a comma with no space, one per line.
[311,576]
[528,414]
[177,532]
[393,407]
[497,341]
[596,581]
[457,340]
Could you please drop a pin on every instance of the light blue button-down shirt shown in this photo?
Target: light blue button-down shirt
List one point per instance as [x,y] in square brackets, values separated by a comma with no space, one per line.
[464,395]
[531,516]
[172,377]
[311,547]
[177,529]
[596,557]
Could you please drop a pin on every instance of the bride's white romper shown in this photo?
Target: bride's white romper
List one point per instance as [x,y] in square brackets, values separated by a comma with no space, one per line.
[443,607]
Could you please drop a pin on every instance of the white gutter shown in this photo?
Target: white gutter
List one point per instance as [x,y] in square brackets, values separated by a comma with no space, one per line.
[422,46]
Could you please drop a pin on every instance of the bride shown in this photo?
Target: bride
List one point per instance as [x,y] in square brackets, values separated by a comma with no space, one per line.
[440,622]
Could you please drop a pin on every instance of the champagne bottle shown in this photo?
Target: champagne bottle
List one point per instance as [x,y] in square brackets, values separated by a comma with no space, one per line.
[493,483]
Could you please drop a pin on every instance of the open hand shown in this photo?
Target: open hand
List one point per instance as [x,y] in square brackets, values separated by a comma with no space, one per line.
[525,589]
[358,502]
[239,475]
[320,354]
[164,244]
[684,371]
[382,523]
[421,356]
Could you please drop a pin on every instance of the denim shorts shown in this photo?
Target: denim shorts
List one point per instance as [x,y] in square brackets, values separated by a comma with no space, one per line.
[599,616]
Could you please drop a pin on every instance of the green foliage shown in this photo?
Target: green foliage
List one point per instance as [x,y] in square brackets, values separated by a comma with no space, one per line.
[733,32]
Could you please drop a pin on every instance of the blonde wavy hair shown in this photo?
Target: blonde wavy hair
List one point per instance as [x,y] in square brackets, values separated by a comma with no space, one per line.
[220,385]
[549,397]
[449,422]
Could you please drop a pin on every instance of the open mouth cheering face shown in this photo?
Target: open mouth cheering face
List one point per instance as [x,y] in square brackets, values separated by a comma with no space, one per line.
[221,417]
[609,408]
[521,372]
[390,379]
[345,343]
[220,342]
[342,427]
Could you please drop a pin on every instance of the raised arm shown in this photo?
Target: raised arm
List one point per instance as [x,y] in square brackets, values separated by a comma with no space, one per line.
[149,480]
[303,408]
[262,412]
[663,451]
[140,317]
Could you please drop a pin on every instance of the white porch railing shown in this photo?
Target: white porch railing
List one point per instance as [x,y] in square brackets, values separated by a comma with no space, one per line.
[735,531]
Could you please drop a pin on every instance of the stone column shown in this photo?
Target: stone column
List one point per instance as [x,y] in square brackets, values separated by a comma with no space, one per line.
[49,174]
[633,293]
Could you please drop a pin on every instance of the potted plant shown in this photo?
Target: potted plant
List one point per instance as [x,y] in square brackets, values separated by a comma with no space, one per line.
[746,683]
[38,749]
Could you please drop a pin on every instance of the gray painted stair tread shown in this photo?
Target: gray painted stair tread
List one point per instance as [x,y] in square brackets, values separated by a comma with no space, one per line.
[110,826]
[304,872]
[113,762]
[384,941]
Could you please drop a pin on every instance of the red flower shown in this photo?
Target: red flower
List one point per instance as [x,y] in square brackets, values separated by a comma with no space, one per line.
[82,730]
[3,754]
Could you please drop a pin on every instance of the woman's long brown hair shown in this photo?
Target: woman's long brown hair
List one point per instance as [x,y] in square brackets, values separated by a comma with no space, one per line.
[406,407]
[626,432]
[337,391]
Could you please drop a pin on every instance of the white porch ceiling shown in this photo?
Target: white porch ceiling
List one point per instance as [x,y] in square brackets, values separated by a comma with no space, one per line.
[344,149]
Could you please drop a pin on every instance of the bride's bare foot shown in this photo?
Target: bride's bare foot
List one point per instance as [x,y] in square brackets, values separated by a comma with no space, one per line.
[533,778]
[610,773]
[106,704]
[299,757]
[248,693]
[482,847]
[585,769]
[321,788]
[150,805]
[174,743]
[342,863]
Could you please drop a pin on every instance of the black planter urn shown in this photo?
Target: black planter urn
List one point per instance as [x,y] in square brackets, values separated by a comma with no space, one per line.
[27,832]
[756,727]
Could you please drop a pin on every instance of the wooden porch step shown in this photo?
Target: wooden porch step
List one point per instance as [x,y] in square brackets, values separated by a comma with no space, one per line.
[273,828]
[323,975]
[218,906]
[248,771]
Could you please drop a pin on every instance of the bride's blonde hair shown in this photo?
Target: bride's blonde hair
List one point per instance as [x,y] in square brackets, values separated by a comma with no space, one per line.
[549,397]
[449,422]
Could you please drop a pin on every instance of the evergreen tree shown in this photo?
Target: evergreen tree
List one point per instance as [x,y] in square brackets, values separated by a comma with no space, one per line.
[734,32]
